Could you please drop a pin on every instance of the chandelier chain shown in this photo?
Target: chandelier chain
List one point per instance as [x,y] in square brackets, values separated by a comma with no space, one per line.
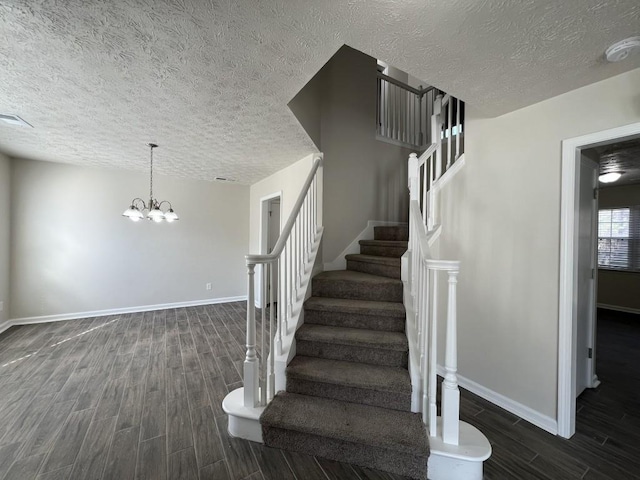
[151,181]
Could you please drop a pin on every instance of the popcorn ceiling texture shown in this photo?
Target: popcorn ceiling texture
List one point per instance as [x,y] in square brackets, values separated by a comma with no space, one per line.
[210,80]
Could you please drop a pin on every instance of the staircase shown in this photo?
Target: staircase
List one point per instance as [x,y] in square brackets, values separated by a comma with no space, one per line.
[348,393]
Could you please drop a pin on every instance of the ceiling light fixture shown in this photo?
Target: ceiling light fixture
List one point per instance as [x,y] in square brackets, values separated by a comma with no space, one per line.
[610,177]
[154,209]
[622,49]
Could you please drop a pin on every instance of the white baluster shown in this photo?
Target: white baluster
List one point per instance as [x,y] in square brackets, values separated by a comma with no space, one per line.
[263,351]
[450,127]
[414,194]
[279,319]
[425,190]
[433,352]
[419,306]
[251,360]
[414,177]
[457,128]
[272,332]
[437,124]
[289,250]
[424,346]
[450,391]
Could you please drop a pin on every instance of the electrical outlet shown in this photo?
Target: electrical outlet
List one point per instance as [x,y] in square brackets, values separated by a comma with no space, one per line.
[1,306]
[208,286]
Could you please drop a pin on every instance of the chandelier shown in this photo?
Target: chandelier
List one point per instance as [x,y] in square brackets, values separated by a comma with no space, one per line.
[154,209]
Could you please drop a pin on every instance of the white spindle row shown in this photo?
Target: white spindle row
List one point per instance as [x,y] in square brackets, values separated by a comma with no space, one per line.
[424,282]
[282,273]
[425,272]
[403,112]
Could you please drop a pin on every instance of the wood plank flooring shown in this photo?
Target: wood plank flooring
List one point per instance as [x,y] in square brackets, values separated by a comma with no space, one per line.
[139,395]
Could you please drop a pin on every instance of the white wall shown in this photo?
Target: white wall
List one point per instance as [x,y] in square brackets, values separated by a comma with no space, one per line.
[501,218]
[5,220]
[289,181]
[72,251]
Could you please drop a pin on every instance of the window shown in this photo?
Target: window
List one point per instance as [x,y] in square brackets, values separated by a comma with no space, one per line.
[619,238]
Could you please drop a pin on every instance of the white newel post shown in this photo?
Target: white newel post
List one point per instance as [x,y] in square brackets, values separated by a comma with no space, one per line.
[251,360]
[414,177]
[450,391]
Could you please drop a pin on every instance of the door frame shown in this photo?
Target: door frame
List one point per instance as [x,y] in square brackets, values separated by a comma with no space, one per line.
[264,237]
[567,311]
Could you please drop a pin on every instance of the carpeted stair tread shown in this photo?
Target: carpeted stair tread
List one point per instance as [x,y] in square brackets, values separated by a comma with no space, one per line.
[375,265]
[358,424]
[396,232]
[383,248]
[363,307]
[357,285]
[356,337]
[388,261]
[351,374]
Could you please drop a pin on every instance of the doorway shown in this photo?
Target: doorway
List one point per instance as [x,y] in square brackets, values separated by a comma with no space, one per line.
[578,270]
[270,227]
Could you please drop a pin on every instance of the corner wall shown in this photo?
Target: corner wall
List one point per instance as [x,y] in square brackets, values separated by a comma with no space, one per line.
[5,228]
[501,218]
[364,178]
[72,251]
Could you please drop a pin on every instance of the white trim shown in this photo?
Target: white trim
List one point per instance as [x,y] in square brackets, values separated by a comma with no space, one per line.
[617,308]
[5,325]
[567,306]
[433,235]
[340,263]
[526,413]
[450,173]
[119,311]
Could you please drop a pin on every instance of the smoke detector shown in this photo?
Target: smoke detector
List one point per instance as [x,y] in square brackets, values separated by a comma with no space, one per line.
[622,49]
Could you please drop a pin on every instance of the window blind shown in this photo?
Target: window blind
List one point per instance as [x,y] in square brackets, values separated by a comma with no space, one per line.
[619,238]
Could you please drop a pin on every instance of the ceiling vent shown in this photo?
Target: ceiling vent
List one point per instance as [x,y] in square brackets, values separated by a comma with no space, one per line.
[622,49]
[224,179]
[14,120]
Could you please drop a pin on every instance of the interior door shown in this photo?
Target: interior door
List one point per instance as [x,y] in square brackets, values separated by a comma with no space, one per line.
[586,273]
[272,238]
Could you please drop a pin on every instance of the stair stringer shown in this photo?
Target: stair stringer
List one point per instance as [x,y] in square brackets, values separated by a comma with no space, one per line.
[244,422]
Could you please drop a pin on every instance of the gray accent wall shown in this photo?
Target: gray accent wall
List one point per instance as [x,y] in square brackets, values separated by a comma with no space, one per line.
[72,251]
[364,178]
[5,226]
[617,288]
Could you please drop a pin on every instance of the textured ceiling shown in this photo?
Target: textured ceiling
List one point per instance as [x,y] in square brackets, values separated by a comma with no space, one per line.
[209,80]
[620,157]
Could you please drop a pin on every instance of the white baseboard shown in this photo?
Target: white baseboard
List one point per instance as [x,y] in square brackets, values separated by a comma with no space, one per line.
[119,311]
[618,309]
[340,263]
[5,325]
[526,413]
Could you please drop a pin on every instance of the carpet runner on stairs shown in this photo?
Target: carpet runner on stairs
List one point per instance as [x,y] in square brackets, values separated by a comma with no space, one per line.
[348,392]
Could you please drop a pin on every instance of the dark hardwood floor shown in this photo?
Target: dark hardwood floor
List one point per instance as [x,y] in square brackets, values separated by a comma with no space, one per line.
[138,396]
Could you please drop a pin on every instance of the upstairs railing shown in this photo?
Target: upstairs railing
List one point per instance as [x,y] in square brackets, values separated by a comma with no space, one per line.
[282,274]
[424,278]
[405,116]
